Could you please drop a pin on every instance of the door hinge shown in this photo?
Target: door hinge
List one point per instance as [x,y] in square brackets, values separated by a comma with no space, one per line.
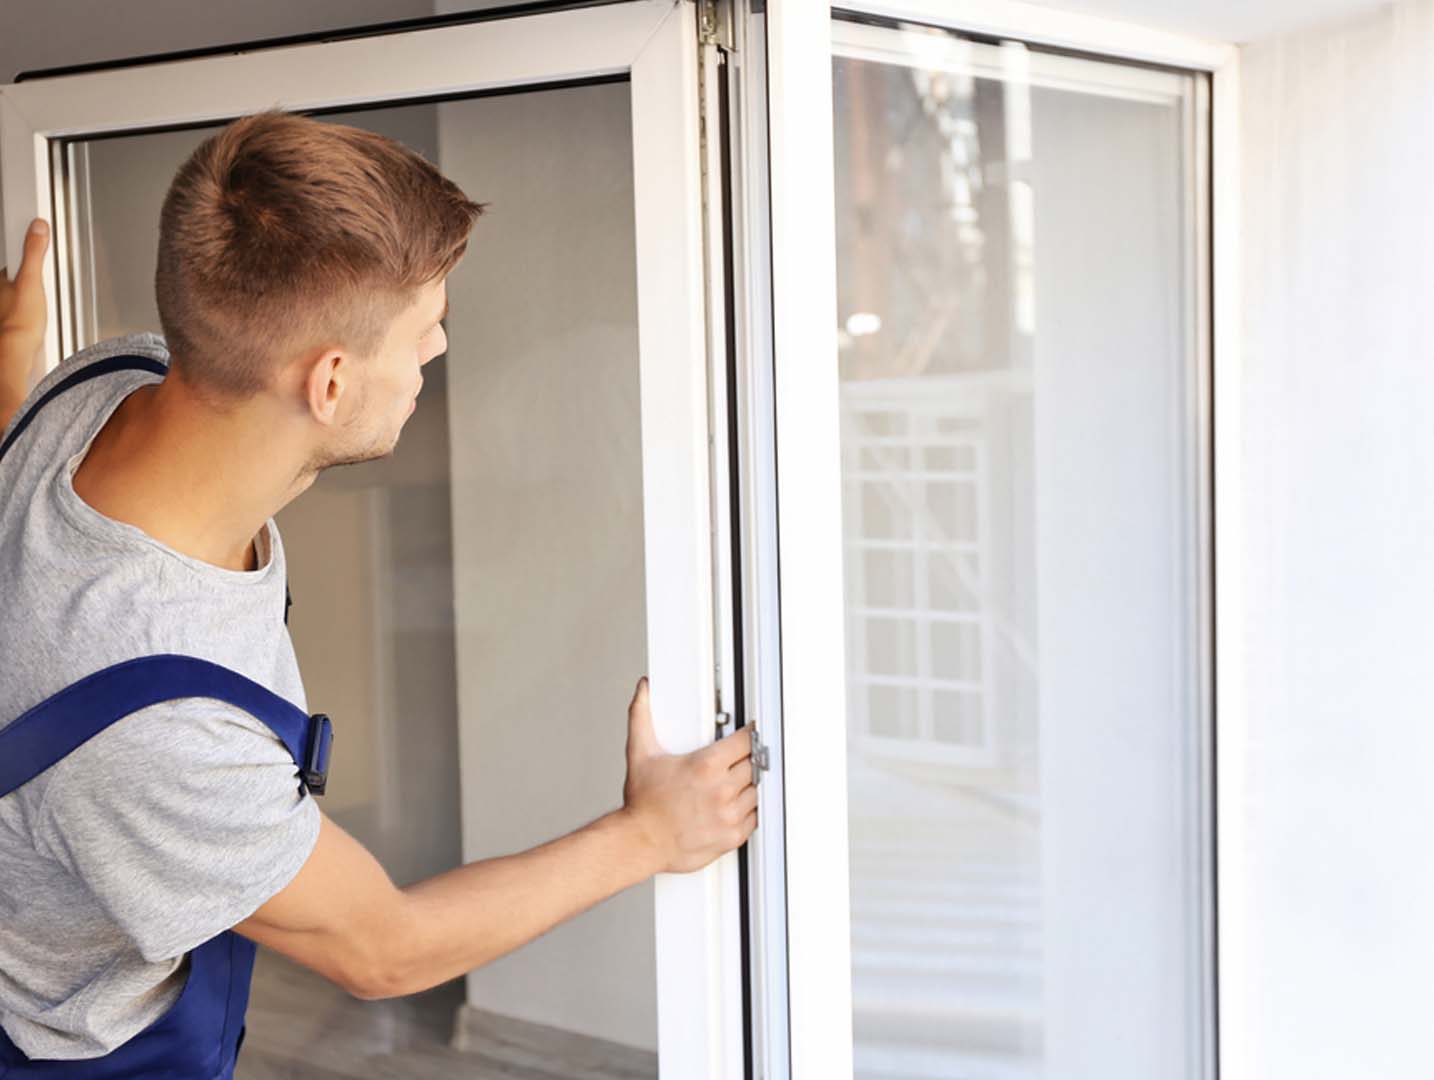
[714,24]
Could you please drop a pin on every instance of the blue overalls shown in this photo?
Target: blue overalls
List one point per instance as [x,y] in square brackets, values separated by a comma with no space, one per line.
[198,1038]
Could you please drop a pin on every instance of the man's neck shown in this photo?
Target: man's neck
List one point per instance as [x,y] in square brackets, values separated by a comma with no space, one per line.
[198,480]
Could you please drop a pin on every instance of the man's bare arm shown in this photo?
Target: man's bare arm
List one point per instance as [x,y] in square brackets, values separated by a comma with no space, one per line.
[343,917]
[22,321]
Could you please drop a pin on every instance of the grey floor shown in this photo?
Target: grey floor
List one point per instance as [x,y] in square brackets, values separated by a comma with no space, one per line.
[302,1027]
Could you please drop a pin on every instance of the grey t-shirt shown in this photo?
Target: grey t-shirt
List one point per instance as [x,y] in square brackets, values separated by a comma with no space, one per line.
[179,820]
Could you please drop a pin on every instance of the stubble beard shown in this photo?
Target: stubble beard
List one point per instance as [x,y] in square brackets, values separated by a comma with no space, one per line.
[355,448]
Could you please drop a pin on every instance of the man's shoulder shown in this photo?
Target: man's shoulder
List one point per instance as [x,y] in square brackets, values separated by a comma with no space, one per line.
[146,344]
[139,343]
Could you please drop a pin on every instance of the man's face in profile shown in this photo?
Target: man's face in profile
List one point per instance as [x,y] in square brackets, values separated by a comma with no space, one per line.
[391,379]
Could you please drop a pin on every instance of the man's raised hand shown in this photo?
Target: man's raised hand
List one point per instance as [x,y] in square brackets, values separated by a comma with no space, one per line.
[22,319]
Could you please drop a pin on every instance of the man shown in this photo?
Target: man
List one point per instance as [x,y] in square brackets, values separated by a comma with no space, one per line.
[301,287]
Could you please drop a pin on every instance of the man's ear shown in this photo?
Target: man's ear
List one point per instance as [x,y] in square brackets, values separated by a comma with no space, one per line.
[329,375]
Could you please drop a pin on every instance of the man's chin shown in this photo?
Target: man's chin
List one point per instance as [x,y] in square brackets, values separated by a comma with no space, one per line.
[372,454]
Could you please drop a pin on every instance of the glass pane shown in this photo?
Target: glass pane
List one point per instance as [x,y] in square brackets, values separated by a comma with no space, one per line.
[471,609]
[1017,362]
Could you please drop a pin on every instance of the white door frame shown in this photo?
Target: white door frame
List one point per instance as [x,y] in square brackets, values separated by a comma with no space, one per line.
[654,42]
[803,388]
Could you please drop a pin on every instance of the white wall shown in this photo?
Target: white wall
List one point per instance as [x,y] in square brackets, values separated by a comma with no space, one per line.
[1337,888]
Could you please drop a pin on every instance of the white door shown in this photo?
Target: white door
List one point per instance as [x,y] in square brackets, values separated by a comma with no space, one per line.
[978,435]
[563,480]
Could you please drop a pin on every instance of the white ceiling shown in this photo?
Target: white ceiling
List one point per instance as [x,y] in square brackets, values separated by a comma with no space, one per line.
[1223,20]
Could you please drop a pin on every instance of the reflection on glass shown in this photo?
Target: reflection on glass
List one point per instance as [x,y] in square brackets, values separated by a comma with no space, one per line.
[1019,513]
[470,610]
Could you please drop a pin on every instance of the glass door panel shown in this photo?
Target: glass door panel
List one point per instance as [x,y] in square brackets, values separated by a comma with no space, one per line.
[1024,558]
[471,609]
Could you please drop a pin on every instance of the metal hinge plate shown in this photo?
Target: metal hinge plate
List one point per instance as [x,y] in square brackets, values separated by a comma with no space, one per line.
[714,23]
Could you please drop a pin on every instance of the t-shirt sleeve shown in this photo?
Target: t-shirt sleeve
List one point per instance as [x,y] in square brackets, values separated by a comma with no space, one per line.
[182,818]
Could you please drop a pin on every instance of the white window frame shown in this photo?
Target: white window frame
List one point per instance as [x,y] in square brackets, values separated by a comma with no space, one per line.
[806,1006]
[654,42]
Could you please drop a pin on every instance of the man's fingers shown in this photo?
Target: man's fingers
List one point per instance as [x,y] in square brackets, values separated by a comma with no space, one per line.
[730,749]
[37,239]
[746,802]
[640,693]
[641,736]
[740,775]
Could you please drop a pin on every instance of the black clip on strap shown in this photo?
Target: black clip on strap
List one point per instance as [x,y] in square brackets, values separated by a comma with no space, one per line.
[316,756]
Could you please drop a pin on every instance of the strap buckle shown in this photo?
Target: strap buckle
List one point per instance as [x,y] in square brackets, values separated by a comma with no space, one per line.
[315,773]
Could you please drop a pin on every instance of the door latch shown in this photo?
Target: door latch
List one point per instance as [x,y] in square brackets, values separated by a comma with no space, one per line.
[761,760]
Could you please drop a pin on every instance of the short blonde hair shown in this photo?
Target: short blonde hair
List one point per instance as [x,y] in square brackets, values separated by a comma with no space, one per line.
[281,232]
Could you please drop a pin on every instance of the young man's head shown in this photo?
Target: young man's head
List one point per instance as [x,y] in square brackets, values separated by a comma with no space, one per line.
[304,263]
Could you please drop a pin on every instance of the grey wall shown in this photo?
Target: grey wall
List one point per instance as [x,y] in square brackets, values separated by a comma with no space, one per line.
[547,524]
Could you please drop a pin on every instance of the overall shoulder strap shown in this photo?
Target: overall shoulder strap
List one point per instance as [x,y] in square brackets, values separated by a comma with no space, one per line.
[58,725]
[89,371]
